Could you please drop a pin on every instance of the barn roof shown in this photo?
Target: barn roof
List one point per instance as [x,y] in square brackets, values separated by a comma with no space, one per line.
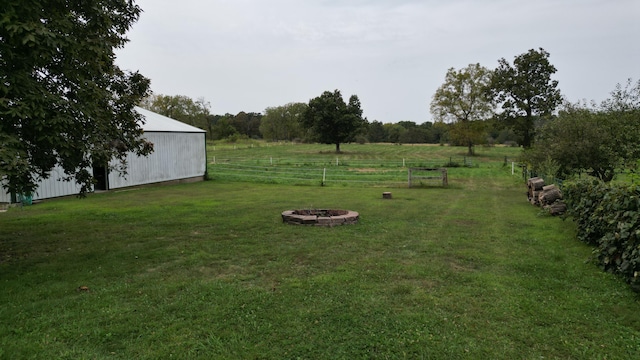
[159,123]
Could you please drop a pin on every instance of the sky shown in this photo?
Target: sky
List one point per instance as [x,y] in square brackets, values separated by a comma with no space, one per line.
[248,55]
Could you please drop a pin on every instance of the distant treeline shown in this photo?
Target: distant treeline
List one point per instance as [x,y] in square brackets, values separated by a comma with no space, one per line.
[282,123]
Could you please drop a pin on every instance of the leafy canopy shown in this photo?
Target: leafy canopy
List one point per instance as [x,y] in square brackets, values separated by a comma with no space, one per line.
[283,122]
[331,120]
[181,108]
[597,140]
[463,100]
[63,101]
[526,91]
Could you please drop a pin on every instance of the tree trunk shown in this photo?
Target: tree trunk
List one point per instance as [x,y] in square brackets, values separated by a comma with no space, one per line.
[338,147]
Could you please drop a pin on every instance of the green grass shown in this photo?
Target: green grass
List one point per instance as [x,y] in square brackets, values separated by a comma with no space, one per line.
[364,165]
[208,270]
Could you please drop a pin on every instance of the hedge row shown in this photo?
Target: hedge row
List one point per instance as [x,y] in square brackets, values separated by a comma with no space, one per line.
[608,217]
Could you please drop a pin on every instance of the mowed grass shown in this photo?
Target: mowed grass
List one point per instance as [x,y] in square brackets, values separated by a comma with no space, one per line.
[372,165]
[208,270]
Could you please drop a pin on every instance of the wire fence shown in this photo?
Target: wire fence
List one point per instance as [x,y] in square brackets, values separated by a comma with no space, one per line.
[528,173]
[325,172]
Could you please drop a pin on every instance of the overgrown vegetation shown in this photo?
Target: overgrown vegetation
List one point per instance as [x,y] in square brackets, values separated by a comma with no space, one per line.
[608,218]
[598,140]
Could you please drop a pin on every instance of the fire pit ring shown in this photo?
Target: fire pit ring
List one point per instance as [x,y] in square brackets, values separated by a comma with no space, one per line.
[320,217]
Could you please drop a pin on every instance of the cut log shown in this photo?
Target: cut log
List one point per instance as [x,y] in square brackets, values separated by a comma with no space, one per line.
[535,183]
[534,198]
[557,208]
[549,195]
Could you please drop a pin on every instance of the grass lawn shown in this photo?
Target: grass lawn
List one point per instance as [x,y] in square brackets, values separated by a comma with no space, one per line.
[208,270]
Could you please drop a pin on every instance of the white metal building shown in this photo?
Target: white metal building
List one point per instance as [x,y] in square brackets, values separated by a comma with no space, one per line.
[179,155]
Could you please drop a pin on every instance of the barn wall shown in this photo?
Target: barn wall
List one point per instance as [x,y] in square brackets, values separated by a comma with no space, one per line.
[54,186]
[175,156]
[4,196]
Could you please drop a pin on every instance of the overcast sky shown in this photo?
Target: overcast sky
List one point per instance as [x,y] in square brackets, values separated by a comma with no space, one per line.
[247,55]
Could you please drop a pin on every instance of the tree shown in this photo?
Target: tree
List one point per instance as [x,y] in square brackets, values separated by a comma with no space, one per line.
[331,120]
[624,106]
[598,140]
[63,101]
[376,132]
[577,141]
[395,132]
[526,92]
[181,108]
[247,124]
[223,129]
[463,100]
[283,122]
[415,135]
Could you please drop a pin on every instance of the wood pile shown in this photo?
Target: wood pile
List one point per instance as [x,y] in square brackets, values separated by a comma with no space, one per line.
[549,197]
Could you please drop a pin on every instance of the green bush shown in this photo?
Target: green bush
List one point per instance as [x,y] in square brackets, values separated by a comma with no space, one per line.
[608,217]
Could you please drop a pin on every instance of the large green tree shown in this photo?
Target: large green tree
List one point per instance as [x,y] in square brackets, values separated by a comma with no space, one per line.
[283,122]
[463,100]
[63,101]
[597,140]
[376,132]
[526,92]
[247,124]
[331,120]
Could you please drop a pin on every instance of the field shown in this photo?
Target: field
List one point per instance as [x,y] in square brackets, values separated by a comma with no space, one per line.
[208,270]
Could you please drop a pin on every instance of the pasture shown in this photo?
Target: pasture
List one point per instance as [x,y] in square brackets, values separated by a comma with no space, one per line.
[208,270]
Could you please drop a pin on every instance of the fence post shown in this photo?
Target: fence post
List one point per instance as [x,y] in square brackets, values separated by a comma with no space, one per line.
[324,175]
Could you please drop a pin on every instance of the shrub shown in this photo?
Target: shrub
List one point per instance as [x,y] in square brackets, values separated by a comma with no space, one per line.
[608,217]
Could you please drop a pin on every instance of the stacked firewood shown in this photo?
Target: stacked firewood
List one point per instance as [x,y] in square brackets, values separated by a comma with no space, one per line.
[548,197]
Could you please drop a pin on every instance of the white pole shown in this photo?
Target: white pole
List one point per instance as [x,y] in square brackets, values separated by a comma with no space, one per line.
[271,160]
[214,160]
[324,175]
[337,162]
[403,162]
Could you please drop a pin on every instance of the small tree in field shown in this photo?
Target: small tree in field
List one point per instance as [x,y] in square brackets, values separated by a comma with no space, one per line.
[331,120]
[463,101]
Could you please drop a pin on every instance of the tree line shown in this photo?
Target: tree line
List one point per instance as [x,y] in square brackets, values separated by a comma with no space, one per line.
[64,102]
[474,106]
[516,103]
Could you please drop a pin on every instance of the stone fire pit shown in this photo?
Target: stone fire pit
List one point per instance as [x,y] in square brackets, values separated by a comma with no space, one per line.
[320,217]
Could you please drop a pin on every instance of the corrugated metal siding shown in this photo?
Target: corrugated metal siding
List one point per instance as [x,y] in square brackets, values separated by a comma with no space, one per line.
[54,186]
[175,156]
[4,196]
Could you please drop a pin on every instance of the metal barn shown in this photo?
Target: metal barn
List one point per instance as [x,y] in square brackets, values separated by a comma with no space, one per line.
[179,155]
